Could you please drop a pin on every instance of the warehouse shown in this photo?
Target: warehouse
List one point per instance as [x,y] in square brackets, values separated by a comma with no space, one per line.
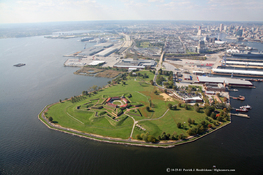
[95,63]
[90,51]
[237,72]
[104,45]
[107,52]
[139,64]
[225,81]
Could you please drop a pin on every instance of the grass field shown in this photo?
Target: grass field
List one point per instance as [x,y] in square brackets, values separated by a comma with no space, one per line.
[84,116]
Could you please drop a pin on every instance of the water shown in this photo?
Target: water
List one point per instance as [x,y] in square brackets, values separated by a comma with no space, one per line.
[29,147]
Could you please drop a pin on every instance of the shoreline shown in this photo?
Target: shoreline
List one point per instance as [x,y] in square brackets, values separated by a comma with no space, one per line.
[104,139]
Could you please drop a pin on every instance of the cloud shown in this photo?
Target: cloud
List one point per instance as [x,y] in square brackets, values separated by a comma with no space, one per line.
[155,0]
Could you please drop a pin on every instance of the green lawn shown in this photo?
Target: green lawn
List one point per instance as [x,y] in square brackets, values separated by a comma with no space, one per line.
[77,116]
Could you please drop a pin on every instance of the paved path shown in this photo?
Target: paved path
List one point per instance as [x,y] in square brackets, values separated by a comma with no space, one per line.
[134,123]
[75,118]
[155,118]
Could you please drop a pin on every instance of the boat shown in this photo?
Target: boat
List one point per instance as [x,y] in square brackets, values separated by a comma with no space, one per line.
[242,110]
[242,98]
[246,107]
[19,65]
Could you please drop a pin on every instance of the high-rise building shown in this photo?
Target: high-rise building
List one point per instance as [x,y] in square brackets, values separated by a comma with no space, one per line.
[201,47]
[239,32]
[199,33]
[221,27]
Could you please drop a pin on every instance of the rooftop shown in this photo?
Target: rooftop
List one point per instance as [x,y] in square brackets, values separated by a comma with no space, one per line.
[205,79]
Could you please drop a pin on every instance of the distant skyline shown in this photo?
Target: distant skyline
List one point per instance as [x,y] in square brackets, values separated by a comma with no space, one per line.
[31,11]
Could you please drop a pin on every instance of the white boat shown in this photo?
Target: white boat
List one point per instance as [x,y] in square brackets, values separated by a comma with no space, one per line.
[246,107]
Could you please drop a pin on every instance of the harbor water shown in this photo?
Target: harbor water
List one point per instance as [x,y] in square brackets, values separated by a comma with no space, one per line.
[29,147]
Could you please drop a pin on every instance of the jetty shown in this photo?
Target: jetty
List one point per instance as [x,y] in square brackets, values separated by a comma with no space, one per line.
[240,115]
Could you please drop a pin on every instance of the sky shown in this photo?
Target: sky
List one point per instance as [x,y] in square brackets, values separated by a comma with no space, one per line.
[31,11]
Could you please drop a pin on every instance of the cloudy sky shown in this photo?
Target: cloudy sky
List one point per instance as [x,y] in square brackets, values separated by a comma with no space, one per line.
[27,11]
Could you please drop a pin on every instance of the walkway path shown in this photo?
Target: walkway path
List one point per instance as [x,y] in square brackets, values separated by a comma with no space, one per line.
[155,118]
[135,122]
[75,118]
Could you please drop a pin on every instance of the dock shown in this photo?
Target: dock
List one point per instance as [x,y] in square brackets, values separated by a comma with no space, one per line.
[240,115]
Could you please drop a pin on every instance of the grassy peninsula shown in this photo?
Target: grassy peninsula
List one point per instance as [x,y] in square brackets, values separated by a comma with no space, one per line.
[131,110]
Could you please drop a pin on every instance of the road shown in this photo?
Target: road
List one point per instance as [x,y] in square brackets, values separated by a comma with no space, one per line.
[159,66]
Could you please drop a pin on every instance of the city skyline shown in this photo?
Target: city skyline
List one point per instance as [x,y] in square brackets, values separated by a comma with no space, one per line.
[31,11]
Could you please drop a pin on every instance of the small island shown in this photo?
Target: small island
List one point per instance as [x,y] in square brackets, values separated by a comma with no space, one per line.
[132,110]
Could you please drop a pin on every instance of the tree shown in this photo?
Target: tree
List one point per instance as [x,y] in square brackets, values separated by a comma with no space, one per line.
[189,121]
[151,81]
[182,136]
[148,108]
[179,125]
[138,137]
[213,115]
[151,139]
[197,109]
[220,118]
[165,91]
[94,87]
[145,137]
[179,104]
[170,106]
[60,100]
[109,82]
[50,119]
[186,106]
[208,111]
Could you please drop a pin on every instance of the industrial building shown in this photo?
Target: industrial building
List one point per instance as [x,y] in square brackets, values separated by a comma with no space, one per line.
[244,63]
[131,63]
[107,52]
[224,81]
[90,51]
[193,100]
[214,87]
[95,63]
[104,45]
[237,72]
